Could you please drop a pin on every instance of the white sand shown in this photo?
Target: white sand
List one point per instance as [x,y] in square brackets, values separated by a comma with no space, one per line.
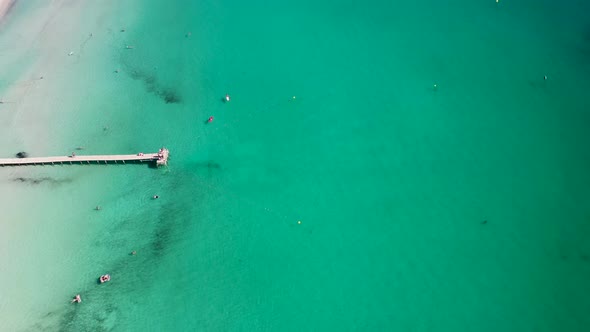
[5,6]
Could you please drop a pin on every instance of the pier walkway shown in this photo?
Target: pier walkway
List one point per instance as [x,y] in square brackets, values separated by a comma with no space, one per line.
[160,158]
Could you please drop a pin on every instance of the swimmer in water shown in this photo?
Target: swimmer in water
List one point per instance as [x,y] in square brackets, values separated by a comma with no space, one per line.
[156,197]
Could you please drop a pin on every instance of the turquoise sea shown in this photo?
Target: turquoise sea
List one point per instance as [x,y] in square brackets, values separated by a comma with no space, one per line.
[381,166]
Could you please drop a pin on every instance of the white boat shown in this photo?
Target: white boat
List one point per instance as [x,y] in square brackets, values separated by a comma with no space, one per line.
[226,97]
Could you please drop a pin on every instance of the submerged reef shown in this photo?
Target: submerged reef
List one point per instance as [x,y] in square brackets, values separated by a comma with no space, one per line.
[168,95]
[41,180]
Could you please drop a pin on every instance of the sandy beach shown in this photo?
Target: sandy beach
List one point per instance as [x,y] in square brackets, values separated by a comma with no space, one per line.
[44,111]
[5,6]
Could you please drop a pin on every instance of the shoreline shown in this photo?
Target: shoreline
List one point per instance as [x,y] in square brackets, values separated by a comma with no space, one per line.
[41,246]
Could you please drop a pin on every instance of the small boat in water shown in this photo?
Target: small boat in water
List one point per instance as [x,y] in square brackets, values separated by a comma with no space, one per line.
[226,97]
[77,299]
[104,278]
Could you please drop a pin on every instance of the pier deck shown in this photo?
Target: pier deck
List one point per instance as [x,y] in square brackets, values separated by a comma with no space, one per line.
[159,158]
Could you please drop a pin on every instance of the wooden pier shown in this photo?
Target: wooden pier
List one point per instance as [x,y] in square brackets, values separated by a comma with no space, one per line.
[159,159]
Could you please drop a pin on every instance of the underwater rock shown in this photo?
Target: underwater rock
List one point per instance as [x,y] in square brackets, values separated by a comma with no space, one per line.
[170,97]
[22,154]
[41,180]
[209,165]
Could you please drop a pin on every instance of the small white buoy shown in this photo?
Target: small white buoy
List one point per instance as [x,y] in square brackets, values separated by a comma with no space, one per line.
[298,222]
[227,97]
[293,97]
